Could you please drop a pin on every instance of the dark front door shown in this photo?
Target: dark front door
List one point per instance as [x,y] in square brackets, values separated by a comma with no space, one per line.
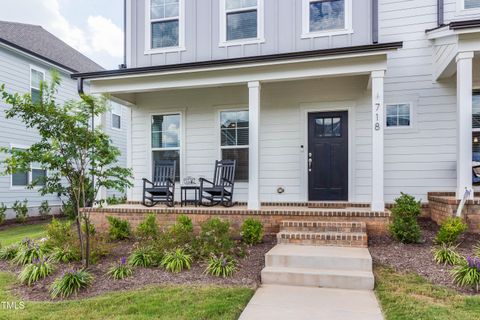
[328,156]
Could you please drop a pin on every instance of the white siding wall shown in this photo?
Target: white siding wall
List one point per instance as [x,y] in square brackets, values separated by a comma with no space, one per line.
[281,132]
[423,158]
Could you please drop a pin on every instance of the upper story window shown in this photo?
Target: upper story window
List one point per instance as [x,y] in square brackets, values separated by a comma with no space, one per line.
[322,17]
[36,78]
[471,4]
[399,115]
[166,25]
[116,116]
[241,21]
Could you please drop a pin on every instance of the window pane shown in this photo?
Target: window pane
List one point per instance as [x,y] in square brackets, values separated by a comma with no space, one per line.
[36,98]
[404,109]
[165,34]
[242,25]
[327,15]
[20,179]
[404,120]
[116,121]
[391,121]
[471,4]
[234,128]
[476,110]
[36,78]
[38,176]
[168,155]
[328,127]
[392,111]
[241,155]
[229,137]
[337,127]
[242,137]
[157,12]
[166,131]
[238,4]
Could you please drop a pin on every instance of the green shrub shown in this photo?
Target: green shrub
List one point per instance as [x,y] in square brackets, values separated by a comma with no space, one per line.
[59,233]
[99,248]
[44,209]
[185,222]
[21,210]
[35,271]
[113,200]
[221,266]
[119,229]
[65,254]
[9,252]
[477,249]
[446,254]
[71,282]
[120,270]
[68,210]
[3,212]
[178,235]
[467,273]
[252,231]
[404,226]
[141,257]
[28,252]
[176,261]
[148,229]
[215,239]
[450,230]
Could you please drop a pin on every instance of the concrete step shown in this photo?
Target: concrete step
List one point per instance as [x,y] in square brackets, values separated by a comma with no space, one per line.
[326,278]
[318,257]
[352,239]
[324,226]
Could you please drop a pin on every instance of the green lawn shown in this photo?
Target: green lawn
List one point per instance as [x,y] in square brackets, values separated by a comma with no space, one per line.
[169,302]
[18,233]
[410,296]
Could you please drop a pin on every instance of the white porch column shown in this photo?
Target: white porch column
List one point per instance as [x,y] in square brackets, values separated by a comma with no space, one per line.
[378,202]
[464,123]
[253,153]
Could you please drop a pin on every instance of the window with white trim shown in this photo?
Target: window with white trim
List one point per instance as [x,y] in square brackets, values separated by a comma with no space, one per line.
[241,20]
[166,23]
[326,16]
[36,78]
[234,140]
[166,139]
[35,175]
[471,4]
[116,116]
[398,115]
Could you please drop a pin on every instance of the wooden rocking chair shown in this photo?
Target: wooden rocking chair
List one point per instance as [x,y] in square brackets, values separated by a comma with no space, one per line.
[220,190]
[162,189]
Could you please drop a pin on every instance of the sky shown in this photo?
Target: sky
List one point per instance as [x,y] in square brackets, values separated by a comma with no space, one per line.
[93,27]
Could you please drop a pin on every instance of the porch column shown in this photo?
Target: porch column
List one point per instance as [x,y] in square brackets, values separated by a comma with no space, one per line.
[464,123]
[378,203]
[253,152]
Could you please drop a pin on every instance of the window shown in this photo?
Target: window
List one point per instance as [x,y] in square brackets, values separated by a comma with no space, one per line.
[166,24]
[326,16]
[241,21]
[36,77]
[166,139]
[116,116]
[23,179]
[472,4]
[398,115]
[234,140]
[476,132]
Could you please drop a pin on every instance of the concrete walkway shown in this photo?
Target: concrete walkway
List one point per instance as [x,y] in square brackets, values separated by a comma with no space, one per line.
[276,302]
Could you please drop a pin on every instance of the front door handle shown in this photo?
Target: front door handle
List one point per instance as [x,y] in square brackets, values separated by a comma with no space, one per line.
[310,164]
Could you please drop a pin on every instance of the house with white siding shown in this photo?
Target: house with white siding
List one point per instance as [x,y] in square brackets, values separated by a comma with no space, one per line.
[27,55]
[351,101]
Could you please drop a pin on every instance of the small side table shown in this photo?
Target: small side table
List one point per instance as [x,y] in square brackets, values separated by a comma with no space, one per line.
[184,200]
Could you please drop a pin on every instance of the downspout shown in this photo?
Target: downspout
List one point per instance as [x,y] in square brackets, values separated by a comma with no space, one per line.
[375,21]
[440,12]
[124,64]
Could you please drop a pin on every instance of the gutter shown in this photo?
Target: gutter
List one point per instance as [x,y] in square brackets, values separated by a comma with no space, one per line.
[239,61]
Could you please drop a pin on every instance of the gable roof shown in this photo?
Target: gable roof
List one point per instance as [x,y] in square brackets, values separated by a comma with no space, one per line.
[36,41]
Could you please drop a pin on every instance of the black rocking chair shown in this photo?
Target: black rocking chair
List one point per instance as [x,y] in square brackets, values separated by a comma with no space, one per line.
[220,191]
[162,189]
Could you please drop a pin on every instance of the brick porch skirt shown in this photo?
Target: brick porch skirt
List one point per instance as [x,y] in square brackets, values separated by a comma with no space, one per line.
[270,217]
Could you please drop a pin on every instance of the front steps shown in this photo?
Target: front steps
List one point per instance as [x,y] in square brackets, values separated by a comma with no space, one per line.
[319,266]
[323,233]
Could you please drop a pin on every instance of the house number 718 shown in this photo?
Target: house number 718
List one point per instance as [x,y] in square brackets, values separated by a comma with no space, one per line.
[377,118]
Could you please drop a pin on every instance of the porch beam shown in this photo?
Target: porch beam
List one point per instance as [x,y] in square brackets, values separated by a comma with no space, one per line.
[464,123]
[377,84]
[253,140]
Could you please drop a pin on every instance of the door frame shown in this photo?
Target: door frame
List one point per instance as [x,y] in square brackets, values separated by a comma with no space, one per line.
[305,110]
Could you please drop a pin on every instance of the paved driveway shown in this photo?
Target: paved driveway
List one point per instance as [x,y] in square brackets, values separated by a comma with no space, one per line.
[285,302]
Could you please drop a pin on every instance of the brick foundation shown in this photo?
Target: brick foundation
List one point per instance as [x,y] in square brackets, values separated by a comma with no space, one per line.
[444,205]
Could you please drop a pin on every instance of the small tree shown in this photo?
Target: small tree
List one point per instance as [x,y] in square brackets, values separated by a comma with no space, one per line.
[70,148]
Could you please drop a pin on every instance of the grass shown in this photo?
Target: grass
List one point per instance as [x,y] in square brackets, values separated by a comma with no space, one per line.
[18,233]
[410,296]
[166,302]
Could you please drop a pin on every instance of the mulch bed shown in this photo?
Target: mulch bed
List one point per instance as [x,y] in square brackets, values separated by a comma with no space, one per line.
[248,274]
[418,258]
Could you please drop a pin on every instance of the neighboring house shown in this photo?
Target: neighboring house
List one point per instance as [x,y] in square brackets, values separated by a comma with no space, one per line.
[27,54]
[331,100]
